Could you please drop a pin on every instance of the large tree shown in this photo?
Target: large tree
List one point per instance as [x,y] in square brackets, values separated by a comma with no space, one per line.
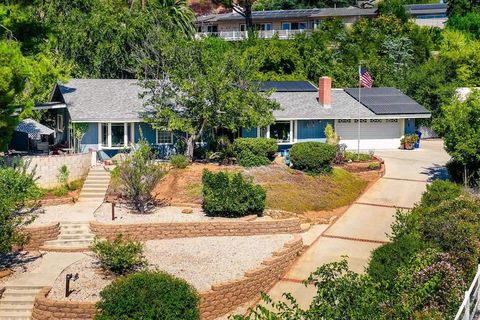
[191,87]
[459,125]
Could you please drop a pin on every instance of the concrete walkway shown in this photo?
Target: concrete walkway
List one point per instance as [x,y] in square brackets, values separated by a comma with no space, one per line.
[366,224]
[19,296]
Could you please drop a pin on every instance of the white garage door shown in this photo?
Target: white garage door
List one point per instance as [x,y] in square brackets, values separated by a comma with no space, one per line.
[374,133]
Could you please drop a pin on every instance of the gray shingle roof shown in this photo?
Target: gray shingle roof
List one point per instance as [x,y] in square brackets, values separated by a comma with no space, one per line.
[304,105]
[103,99]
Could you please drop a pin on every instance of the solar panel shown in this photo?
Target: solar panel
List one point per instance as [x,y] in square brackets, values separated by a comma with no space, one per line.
[288,86]
[383,101]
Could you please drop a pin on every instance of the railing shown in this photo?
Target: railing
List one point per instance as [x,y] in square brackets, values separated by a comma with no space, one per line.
[240,35]
[471,303]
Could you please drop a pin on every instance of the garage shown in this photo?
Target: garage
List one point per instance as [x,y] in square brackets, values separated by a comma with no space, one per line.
[374,133]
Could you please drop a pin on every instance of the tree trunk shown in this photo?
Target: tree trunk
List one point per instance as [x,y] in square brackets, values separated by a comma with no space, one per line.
[248,16]
[190,147]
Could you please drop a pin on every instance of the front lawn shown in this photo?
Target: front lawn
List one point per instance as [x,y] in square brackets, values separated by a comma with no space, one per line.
[287,189]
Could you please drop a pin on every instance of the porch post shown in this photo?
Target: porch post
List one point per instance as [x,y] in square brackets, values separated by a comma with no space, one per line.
[268,131]
[74,140]
[125,134]
[132,134]
[109,139]
[295,130]
[291,131]
[99,130]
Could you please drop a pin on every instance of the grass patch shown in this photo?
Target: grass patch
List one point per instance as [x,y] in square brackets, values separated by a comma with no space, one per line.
[296,192]
[194,190]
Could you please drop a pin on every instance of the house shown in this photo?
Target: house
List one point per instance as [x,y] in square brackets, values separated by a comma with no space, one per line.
[114,114]
[385,114]
[287,23]
[283,23]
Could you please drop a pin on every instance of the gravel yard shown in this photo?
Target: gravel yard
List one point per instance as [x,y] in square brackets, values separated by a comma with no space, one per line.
[19,263]
[161,214]
[62,212]
[200,261]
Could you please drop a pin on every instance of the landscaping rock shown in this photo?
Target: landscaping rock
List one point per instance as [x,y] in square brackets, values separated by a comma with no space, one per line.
[187,211]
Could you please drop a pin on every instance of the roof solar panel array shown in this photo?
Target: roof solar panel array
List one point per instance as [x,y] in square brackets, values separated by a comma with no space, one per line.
[385,101]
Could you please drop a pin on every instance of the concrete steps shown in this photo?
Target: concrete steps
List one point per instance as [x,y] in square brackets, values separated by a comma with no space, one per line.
[95,185]
[17,302]
[72,235]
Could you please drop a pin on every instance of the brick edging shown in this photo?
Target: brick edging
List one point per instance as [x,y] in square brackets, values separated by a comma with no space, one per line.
[37,236]
[219,300]
[167,230]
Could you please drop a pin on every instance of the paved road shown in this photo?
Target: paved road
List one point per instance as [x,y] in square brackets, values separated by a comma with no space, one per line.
[365,225]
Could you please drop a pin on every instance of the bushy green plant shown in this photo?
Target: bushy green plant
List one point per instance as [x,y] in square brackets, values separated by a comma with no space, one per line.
[119,256]
[373,166]
[252,152]
[148,295]
[138,176]
[179,161]
[63,174]
[353,156]
[230,195]
[331,135]
[387,259]
[60,191]
[18,199]
[75,184]
[313,157]
[438,191]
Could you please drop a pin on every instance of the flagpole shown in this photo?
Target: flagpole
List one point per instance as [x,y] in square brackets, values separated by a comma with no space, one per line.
[359,96]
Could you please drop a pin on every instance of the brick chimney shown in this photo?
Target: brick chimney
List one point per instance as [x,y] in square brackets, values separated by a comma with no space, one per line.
[325,91]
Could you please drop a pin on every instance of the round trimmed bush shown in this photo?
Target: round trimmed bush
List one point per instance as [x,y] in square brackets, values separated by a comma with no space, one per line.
[148,295]
[312,157]
[179,161]
[254,152]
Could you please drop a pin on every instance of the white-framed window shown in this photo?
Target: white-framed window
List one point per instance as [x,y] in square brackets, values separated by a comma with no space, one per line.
[286,26]
[258,26]
[60,122]
[376,120]
[164,137]
[281,131]
[344,121]
[361,120]
[116,134]
[392,120]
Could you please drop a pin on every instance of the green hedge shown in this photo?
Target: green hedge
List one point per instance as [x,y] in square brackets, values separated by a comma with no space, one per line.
[230,195]
[253,152]
[148,295]
[312,157]
[179,161]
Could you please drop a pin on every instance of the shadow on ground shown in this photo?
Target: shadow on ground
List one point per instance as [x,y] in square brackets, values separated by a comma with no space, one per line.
[17,259]
[436,172]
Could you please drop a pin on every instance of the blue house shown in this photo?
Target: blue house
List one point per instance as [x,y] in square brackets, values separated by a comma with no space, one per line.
[114,113]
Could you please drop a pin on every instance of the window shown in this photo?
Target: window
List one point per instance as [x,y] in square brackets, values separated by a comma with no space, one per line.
[361,120]
[118,134]
[286,26]
[104,135]
[376,120]
[212,29]
[164,137]
[263,132]
[391,120]
[344,121]
[258,26]
[280,131]
[60,122]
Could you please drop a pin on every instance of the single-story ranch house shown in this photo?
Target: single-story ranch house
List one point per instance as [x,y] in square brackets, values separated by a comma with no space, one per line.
[113,111]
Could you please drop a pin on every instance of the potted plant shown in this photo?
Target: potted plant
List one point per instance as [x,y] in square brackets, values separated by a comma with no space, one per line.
[408,141]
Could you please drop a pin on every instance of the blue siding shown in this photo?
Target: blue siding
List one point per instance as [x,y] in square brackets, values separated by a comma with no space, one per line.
[310,130]
[409,126]
[147,132]
[90,139]
[249,133]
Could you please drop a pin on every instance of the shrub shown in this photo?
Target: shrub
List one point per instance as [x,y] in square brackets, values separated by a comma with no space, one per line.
[440,191]
[119,256]
[60,191]
[248,159]
[63,174]
[254,151]
[18,198]
[353,156]
[179,161]
[373,166]
[138,175]
[148,295]
[76,184]
[230,195]
[331,135]
[387,259]
[313,157]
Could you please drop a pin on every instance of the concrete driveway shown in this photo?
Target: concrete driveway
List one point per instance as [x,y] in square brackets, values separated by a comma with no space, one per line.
[366,224]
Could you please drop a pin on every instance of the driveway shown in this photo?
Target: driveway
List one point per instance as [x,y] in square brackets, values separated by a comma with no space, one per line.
[366,224]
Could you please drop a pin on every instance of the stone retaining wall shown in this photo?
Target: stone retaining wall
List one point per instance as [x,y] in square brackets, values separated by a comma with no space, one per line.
[219,300]
[157,231]
[38,235]
[47,167]
[225,297]
[45,308]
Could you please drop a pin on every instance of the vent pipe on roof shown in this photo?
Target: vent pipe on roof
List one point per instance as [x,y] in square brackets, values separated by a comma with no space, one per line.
[325,91]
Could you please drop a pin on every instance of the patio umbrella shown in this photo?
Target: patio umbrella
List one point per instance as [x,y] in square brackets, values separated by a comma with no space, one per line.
[33,129]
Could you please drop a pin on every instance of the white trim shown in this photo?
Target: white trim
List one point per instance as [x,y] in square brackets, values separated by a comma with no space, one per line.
[132,135]
[291,131]
[295,131]
[99,132]
[407,116]
[49,107]
[60,121]
[109,120]
[125,134]
[109,135]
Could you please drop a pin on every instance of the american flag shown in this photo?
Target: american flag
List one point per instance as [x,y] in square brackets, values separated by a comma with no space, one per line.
[366,80]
